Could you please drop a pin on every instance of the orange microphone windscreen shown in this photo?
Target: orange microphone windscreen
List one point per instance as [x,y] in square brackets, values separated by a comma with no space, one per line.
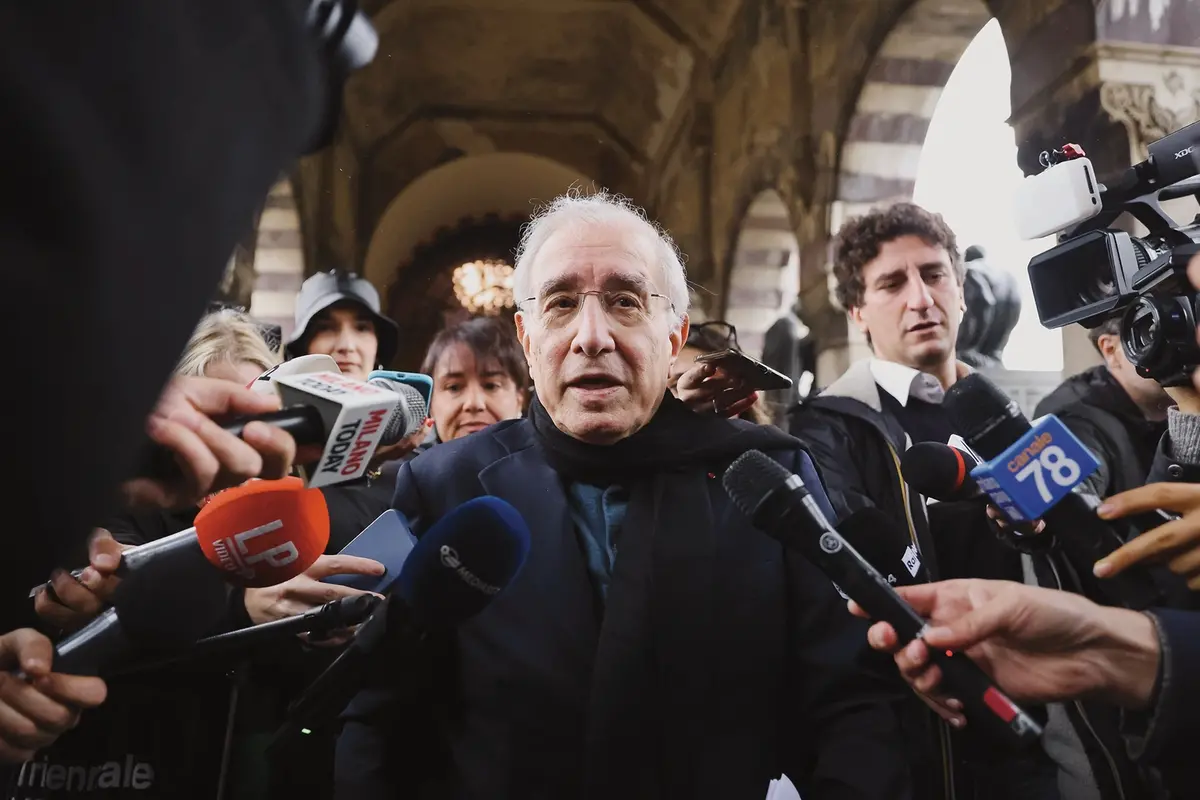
[264,532]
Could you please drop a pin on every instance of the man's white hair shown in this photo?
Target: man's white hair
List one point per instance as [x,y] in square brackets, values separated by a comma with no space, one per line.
[600,207]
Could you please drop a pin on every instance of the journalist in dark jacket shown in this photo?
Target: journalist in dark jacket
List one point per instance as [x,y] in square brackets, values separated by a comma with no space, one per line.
[1117,414]
[702,661]
[900,279]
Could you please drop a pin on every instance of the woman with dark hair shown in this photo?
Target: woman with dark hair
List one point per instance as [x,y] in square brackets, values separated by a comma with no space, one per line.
[479,377]
[709,337]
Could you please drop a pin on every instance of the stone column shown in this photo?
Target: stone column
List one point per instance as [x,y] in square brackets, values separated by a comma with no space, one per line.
[1137,82]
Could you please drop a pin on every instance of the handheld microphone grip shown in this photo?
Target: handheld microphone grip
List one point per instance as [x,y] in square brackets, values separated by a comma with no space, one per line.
[778,503]
[163,608]
[345,612]
[345,420]
[456,570]
[303,423]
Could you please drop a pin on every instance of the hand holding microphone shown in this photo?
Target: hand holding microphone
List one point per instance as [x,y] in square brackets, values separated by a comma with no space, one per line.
[1034,472]
[337,422]
[40,705]
[306,591]
[172,590]
[778,503]
[943,473]
[1039,645]
[205,456]
[68,601]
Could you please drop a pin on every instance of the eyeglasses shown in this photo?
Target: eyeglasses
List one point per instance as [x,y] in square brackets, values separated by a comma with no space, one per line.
[705,335]
[626,308]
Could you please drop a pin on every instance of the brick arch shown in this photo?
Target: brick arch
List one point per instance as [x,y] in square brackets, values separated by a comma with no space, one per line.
[881,150]
[763,277]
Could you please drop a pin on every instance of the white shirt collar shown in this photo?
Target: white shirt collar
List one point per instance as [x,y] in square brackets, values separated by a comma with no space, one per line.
[902,382]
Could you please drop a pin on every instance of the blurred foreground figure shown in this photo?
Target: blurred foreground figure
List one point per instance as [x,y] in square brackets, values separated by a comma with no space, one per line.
[139,140]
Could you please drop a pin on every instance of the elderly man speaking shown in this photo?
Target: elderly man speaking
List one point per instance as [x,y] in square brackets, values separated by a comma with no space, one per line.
[654,645]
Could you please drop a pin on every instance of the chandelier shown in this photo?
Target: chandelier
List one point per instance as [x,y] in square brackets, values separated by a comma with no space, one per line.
[484,287]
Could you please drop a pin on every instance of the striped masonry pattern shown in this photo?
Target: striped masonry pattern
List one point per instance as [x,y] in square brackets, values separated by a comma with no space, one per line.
[882,150]
[278,259]
[766,271]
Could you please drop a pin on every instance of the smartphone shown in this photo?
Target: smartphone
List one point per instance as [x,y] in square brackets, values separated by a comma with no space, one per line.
[422,383]
[387,540]
[756,374]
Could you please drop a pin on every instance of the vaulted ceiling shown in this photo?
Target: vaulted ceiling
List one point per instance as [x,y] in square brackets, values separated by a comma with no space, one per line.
[689,106]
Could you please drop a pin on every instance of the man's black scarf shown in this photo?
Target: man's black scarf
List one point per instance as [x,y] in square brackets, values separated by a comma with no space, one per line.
[677,439]
[650,677]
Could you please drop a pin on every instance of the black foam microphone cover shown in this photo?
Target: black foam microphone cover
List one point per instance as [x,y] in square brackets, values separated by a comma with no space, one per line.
[939,471]
[984,415]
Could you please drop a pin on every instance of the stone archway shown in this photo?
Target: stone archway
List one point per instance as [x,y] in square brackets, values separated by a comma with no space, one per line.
[473,186]
[881,150]
[764,277]
[882,147]
[470,208]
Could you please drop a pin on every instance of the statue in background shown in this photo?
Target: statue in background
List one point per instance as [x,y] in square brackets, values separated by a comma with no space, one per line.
[788,347]
[993,302]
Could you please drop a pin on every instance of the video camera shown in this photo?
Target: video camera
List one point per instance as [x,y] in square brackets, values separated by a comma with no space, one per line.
[1096,271]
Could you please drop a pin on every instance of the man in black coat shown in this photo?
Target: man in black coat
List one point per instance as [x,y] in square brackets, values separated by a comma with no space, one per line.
[1117,414]
[702,661]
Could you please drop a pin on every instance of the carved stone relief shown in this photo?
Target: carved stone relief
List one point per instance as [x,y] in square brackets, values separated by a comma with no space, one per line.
[1151,111]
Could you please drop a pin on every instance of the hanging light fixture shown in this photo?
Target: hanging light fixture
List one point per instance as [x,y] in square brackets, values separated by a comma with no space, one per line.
[485,286]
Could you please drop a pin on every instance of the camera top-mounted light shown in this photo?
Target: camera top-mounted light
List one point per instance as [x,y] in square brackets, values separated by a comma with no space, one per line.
[1060,197]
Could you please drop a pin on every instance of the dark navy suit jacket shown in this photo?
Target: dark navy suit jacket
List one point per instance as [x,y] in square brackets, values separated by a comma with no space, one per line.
[774,676]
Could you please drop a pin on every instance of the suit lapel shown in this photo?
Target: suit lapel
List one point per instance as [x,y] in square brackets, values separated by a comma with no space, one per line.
[555,565]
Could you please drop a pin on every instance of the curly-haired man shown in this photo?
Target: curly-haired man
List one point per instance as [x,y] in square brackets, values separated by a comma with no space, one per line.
[899,277]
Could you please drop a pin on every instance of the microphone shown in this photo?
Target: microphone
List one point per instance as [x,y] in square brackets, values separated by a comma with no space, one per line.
[345,612]
[348,419]
[258,534]
[457,568]
[940,471]
[164,608]
[300,365]
[411,410]
[414,390]
[778,503]
[1036,472]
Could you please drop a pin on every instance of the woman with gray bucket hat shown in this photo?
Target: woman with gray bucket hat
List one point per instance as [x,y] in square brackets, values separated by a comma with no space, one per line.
[338,315]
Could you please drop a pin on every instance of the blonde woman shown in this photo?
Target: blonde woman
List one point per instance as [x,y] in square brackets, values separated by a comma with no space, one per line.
[227,344]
